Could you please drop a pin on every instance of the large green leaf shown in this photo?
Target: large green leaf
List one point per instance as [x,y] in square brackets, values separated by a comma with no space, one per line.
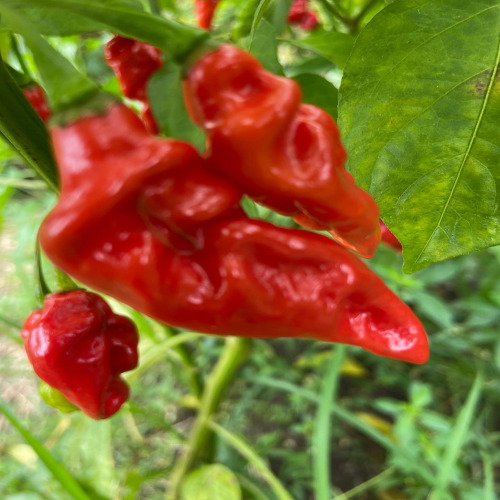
[165,95]
[318,91]
[332,45]
[420,112]
[58,23]
[122,17]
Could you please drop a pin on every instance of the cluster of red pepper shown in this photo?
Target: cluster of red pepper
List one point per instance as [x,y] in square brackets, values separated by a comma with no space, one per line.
[150,222]
[299,14]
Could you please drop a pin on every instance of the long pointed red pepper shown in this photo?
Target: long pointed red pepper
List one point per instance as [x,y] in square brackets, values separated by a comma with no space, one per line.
[141,219]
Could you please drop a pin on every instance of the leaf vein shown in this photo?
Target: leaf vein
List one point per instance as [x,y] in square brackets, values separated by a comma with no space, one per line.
[468,149]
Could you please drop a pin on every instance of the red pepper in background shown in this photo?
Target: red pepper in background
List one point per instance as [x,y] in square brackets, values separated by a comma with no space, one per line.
[37,98]
[284,154]
[134,62]
[301,15]
[141,219]
[388,238]
[205,10]
[78,346]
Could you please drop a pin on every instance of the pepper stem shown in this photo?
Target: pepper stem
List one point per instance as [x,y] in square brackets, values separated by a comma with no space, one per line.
[41,287]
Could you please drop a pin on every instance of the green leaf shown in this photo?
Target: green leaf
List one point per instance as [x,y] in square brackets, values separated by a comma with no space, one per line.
[17,116]
[210,482]
[280,14]
[259,14]
[334,46]
[166,97]
[175,38]
[264,47]
[420,111]
[244,18]
[63,83]
[60,473]
[318,91]
[459,436]
[57,23]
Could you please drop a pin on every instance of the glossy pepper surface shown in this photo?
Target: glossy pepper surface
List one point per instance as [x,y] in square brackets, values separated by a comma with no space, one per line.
[37,98]
[143,220]
[284,154]
[78,346]
[205,11]
[134,62]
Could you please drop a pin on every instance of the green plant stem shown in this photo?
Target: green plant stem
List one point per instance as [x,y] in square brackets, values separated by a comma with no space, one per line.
[367,485]
[154,7]
[195,380]
[254,459]
[457,439]
[157,353]
[321,436]
[41,287]
[233,355]
[22,184]
[15,48]
[332,8]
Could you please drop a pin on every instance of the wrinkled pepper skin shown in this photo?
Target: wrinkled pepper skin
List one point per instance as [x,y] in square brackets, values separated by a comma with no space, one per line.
[389,239]
[205,11]
[37,98]
[302,16]
[284,154]
[78,346]
[133,63]
[142,220]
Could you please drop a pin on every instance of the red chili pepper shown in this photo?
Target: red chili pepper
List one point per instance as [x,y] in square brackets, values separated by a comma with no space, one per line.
[134,62]
[141,219]
[78,346]
[301,15]
[284,154]
[205,10]
[389,239]
[37,98]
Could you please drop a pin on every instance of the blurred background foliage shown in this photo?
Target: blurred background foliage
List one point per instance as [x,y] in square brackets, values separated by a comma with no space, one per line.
[397,431]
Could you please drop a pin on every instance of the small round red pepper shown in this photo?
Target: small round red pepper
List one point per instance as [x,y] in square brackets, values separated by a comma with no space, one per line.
[284,154]
[78,346]
[143,220]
